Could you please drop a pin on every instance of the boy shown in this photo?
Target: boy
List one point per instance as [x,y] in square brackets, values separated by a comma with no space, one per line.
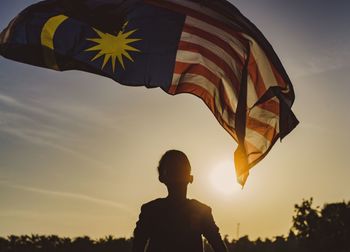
[175,223]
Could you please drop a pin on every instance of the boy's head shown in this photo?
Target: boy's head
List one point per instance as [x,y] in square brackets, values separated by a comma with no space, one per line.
[174,168]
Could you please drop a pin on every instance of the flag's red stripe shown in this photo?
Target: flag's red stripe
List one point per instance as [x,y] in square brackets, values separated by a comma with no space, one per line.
[265,130]
[253,152]
[202,93]
[200,16]
[187,46]
[217,41]
[255,75]
[181,68]
[260,86]
[185,87]
[271,106]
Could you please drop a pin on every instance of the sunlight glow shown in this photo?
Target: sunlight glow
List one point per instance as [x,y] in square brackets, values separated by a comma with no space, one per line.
[223,178]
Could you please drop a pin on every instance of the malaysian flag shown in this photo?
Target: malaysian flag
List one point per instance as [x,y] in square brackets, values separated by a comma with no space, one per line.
[205,48]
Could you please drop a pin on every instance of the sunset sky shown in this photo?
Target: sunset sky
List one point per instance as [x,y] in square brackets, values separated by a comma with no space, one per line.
[78,152]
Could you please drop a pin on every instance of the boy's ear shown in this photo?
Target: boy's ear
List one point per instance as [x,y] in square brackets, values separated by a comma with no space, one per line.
[190,179]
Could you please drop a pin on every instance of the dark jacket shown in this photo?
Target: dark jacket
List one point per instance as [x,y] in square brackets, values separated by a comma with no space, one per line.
[165,225]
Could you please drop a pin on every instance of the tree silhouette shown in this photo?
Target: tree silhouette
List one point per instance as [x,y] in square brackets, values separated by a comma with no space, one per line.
[314,229]
[322,230]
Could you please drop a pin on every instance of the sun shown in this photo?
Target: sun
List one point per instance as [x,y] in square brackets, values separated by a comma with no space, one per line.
[223,178]
[113,47]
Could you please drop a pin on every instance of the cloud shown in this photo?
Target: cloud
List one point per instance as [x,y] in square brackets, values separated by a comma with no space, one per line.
[12,103]
[70,195]
[78,114]
[334,57]
[40,140]
[37,125]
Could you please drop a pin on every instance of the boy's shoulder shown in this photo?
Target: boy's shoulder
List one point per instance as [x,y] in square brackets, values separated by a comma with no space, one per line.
[199,206]
[161,202]
[153,205]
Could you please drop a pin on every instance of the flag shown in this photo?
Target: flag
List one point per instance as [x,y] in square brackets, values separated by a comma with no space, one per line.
[205,48]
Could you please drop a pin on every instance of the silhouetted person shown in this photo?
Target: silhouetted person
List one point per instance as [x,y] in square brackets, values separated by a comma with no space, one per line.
[175,223]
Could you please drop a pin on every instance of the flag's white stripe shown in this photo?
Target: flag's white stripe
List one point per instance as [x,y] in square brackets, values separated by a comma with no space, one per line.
[253,153]
[252,136]
[235,45]
[252,97]
[260,142]
[204,83]
[216,31]
[256,145]
[261,59]
[264,66]
[265,116]
[262,63]
[196,58]
[215,49]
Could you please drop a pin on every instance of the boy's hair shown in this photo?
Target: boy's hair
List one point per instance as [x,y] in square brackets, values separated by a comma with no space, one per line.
[174,166]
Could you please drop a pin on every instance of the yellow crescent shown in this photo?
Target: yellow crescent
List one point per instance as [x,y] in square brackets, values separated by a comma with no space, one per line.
[47,37]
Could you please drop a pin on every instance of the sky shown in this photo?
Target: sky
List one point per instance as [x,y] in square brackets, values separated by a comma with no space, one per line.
[78,152]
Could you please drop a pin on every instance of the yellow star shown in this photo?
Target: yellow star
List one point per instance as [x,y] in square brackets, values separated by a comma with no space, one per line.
[113,47]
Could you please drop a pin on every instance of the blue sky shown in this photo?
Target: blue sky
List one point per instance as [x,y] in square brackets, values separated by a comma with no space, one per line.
[78,152]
